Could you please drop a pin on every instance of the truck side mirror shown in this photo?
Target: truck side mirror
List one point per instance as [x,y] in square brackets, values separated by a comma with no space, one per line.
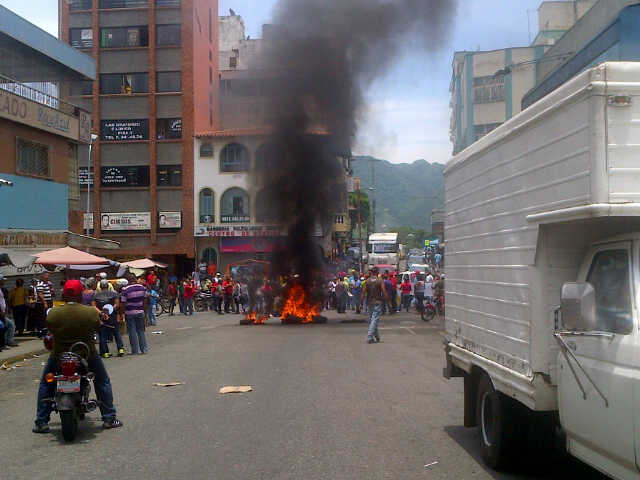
[578,306]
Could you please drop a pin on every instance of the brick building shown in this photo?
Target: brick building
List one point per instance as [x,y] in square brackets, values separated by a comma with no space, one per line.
[156,87]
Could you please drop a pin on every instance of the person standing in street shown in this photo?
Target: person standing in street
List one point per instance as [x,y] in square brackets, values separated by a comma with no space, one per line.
[132,297]
[103,299]
[405,290]
[341,295]
[189,293]
[418,290]
[375,294]
[45,293]
[357,293]
[18,303]
[3,319]
[173,297]
[428,288]
[153,297]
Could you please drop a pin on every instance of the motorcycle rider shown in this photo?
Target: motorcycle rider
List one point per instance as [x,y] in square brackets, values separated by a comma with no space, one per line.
[69,324]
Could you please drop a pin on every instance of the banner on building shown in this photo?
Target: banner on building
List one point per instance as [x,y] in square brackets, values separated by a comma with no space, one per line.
[250,245]
[125,221]
[239,231]
[128,176]
[119,130]
[234,219]
[85,177]
[170,219]
[88,221]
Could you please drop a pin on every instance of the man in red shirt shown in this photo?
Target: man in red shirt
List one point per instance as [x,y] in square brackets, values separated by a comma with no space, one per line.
[227,287]
[405,290]
[189,293]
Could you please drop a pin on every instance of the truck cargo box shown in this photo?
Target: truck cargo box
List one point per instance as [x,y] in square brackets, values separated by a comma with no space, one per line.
[522,205]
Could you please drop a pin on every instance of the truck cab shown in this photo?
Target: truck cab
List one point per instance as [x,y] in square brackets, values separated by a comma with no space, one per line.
[383,248]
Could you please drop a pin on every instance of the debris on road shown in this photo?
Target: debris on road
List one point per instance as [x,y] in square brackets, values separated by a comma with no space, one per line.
[238,389]
[430,464]
[158,332]
[170,384]
[36,356]
[5,366]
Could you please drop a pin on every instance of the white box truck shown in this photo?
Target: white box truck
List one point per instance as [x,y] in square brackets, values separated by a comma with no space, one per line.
[383,249]
[543,276]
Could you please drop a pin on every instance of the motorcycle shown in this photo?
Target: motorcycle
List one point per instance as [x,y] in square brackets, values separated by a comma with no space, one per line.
[72,385]
[203,301]
[432,308]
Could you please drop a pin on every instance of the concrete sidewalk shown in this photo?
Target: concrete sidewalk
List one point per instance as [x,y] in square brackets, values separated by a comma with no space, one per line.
[26,349]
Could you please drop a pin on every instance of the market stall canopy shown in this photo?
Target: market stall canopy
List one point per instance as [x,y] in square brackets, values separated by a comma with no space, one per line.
[143,263]
[69,256]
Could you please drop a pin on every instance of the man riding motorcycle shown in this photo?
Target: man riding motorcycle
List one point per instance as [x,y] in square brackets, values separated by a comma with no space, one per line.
[69,324]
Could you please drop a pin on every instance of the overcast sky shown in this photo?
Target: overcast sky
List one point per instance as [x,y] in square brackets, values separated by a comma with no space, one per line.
[407,113]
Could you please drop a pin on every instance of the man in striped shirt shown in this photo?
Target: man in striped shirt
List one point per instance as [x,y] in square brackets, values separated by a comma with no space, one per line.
[132,297]
[45,293]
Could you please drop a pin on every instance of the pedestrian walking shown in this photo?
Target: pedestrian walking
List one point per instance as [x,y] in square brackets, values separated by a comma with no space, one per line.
[418,290]
[405,291]
[356,291]
[189,293]
[375,295]
[227,287]
[45,293]
[428,288]
[244,295]
[106,301]
[153,297]
[132,297]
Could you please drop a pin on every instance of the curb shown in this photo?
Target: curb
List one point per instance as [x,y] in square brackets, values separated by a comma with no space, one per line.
[23,356]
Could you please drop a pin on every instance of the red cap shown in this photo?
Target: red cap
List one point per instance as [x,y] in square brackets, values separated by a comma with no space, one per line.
[73,288]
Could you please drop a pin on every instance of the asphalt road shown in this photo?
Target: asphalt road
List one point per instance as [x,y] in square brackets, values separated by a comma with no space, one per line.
[324,405]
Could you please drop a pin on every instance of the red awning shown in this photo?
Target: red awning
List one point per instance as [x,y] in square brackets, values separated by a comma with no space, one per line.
[69,256]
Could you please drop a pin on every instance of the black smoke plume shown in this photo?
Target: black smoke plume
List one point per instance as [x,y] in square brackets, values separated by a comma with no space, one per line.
[321,55]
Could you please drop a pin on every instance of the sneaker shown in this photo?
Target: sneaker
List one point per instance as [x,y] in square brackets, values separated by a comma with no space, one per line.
[40,428]
[113,423]
[121,352]
[106,355]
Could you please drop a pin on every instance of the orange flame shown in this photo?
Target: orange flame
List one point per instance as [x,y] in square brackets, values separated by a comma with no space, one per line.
[297,304]
[255,319]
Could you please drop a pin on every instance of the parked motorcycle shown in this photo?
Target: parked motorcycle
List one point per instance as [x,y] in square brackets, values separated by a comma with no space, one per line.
[72,385]
[432,308]
[203,301]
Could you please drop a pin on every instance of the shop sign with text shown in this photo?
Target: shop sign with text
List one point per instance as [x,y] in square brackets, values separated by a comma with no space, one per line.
[125,221]
[170,220]
[239,231]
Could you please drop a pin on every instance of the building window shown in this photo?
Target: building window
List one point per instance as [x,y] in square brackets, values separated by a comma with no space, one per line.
[482,130]
[80,5]
[168,128]
[124,83]
[234,207]
[32,159]
[168,34]
[169,81]
[123,3]
[339,219]
[206,205]
[81,87]
[488,89]
[234,158]
[209,256]
[81,37]
[233,62]
[167,3]
[169,175]
[118,37]
[206,150]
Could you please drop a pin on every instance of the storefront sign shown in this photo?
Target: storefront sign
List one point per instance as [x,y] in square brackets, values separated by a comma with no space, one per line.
[250,245]
[170,219]
[88,221]
[125,221]
[85,178]
[33,239]
[119,130]
[239,231]
[125,176]
[17,108]
[235,219]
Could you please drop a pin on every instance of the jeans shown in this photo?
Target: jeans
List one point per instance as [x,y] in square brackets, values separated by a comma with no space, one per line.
[419,301]
[101,384]
[188,306]
[357,297]
[20,315]
[374,317]
[11,330]
[137,338]
[181,303]
[153,320]
[105,333]
[172,305]
[406,301]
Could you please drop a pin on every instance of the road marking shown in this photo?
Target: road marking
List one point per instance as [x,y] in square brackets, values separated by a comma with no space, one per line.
[210,327]
[410,330]
[184,328]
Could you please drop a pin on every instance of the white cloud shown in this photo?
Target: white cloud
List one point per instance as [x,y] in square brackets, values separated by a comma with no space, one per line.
[405,130]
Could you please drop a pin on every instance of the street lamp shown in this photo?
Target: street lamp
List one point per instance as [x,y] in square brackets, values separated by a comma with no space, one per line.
[94,137]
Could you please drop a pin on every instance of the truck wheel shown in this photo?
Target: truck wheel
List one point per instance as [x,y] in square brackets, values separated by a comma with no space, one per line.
[495,424]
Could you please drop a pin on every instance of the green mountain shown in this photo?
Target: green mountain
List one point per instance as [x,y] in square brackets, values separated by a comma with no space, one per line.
[405,192]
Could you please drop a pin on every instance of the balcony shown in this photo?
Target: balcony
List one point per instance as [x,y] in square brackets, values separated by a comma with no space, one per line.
[38,105]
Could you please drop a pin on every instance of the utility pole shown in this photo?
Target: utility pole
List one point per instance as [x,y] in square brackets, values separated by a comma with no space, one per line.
[359,230]
[372,188]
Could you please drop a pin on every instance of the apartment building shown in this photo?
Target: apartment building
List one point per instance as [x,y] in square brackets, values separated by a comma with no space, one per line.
[156,87]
